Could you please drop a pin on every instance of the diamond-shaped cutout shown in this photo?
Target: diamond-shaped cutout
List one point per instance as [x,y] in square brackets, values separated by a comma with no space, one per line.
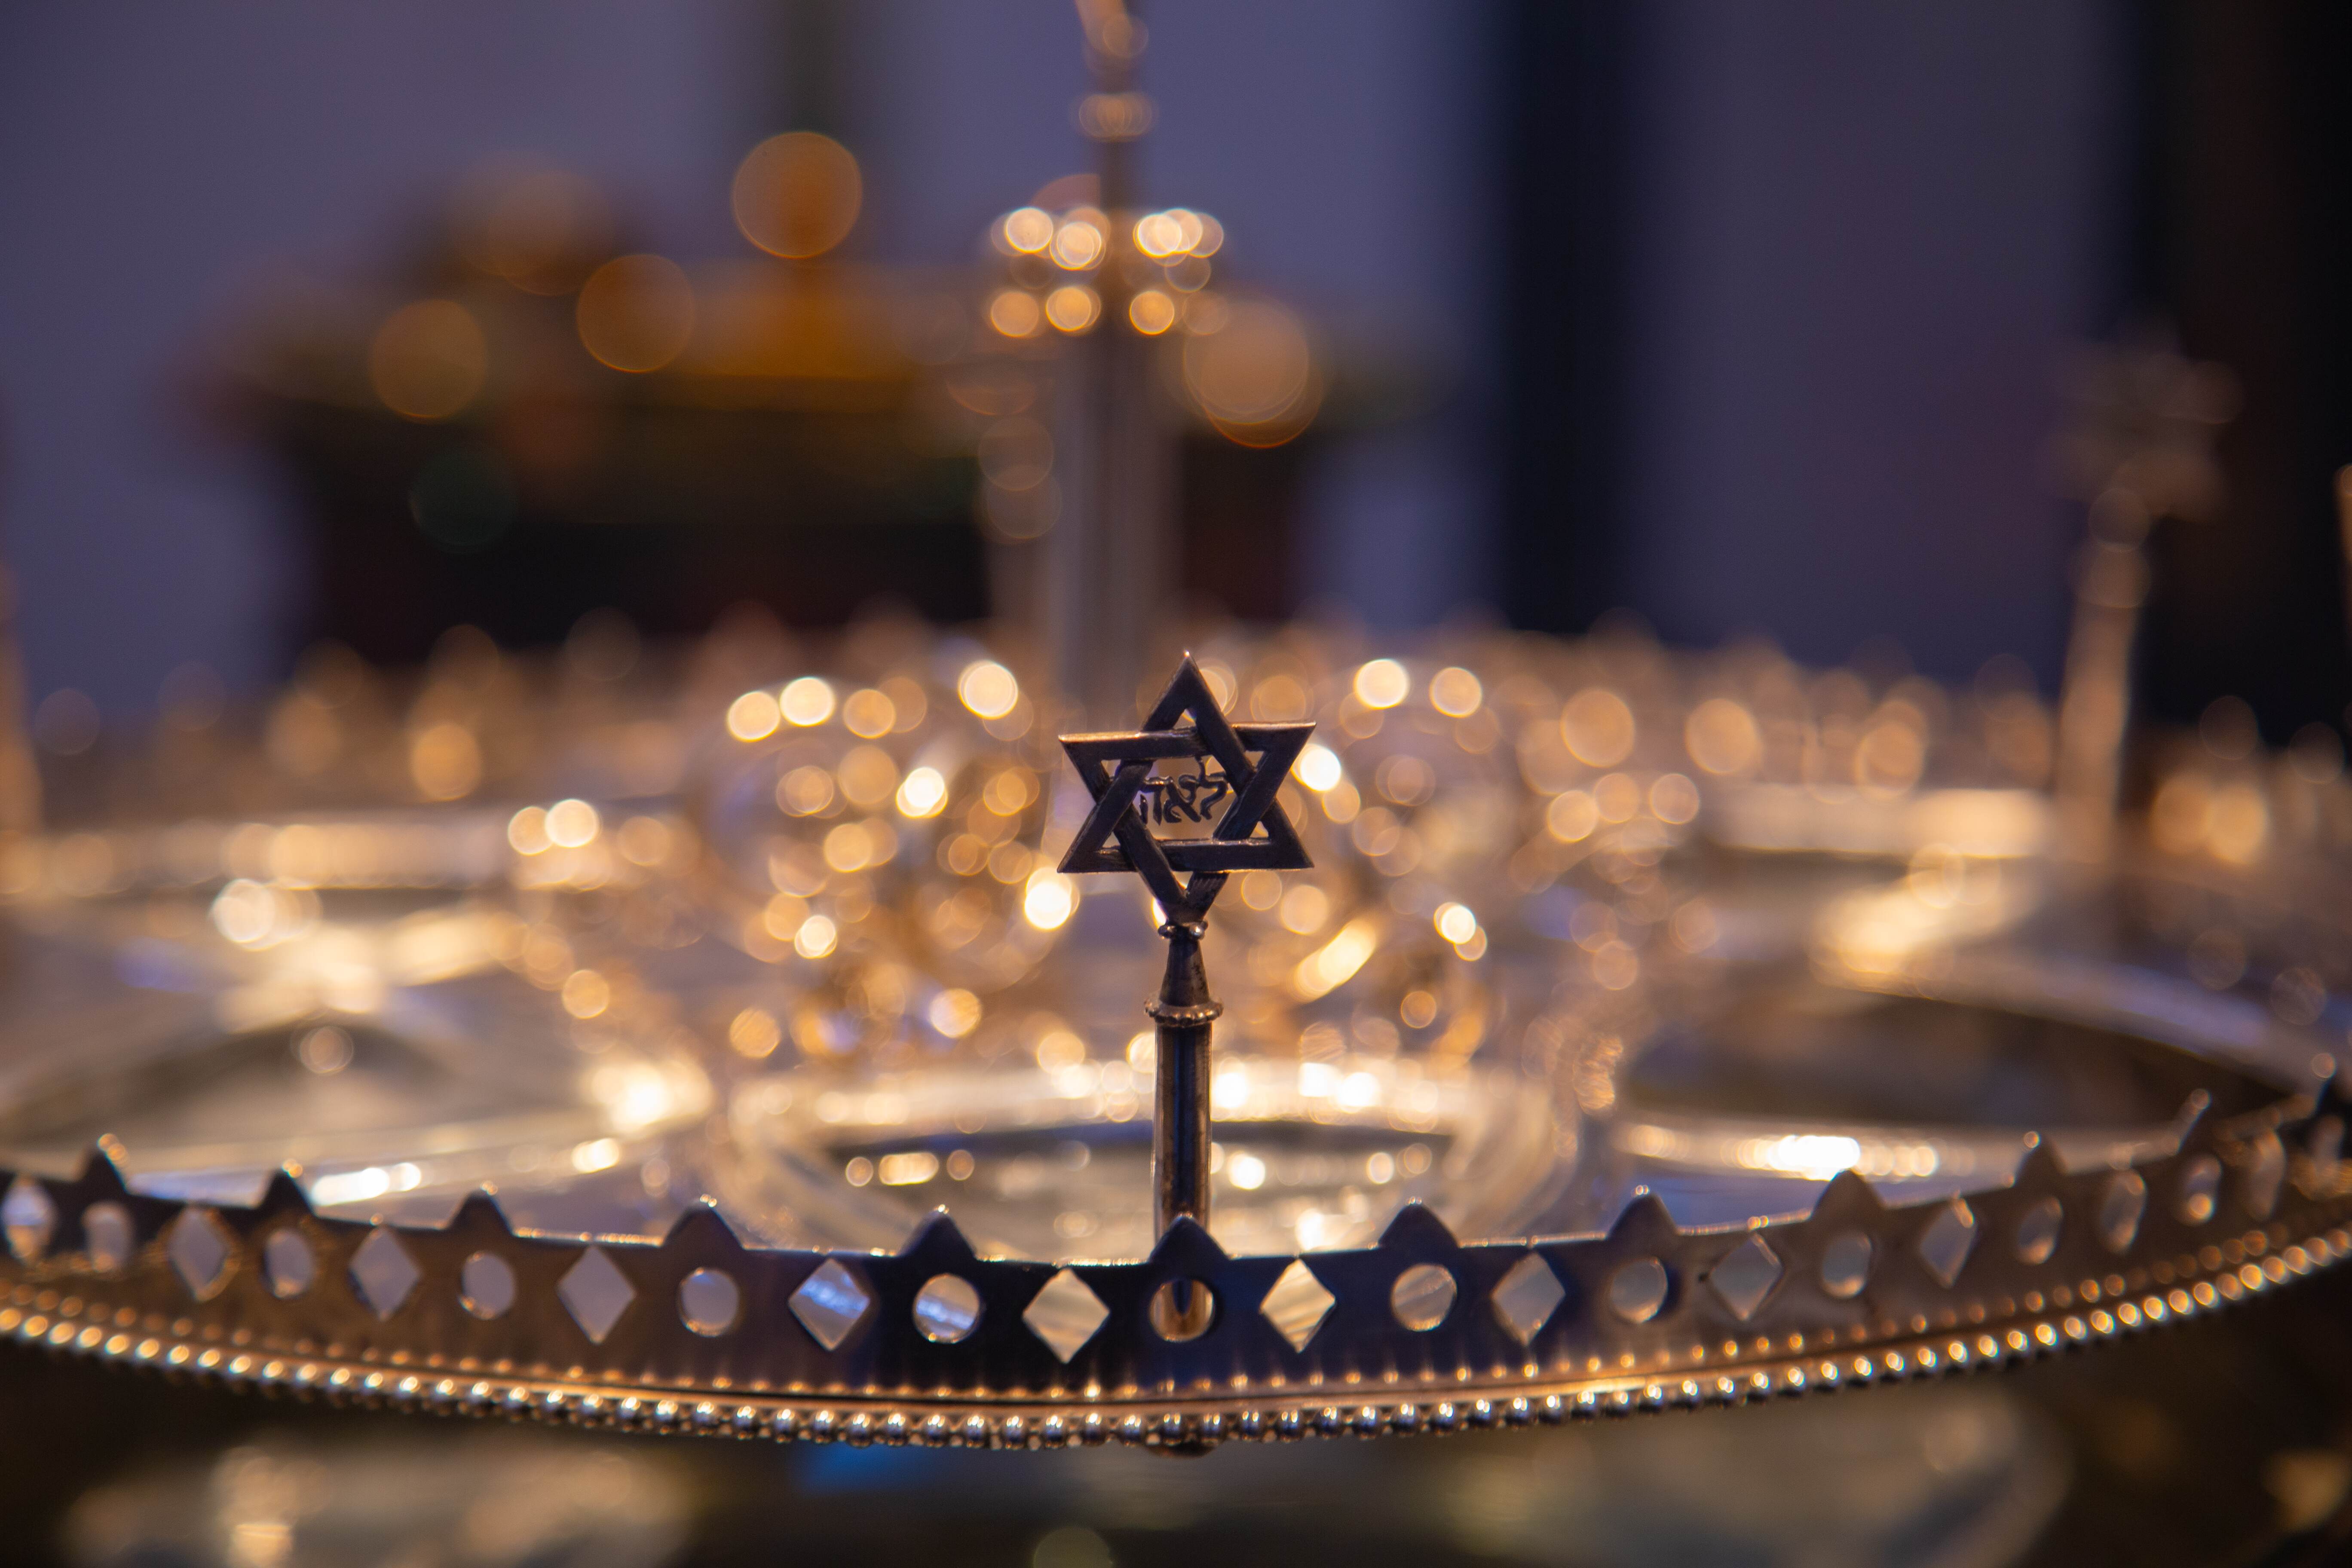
[1745,1276]
[2121,1204]
[30,1215]
[383,1272]
[108,1235]
[199,1252]
[1065,1314]
[1296,1305]
[595,1292]
[1526,1298]
[1945,1244]
[830,1302]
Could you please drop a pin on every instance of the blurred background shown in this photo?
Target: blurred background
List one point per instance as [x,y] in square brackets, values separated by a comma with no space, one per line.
[1813,321]
[1740,318]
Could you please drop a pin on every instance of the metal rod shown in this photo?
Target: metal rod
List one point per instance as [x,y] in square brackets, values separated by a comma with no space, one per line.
[1184,1014]
[1114,453]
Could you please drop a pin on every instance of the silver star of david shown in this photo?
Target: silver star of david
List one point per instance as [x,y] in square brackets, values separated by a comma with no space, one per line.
[1253,834]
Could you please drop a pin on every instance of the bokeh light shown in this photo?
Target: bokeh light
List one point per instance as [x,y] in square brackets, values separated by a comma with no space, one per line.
[1077,244]
[1382,683]
[1072,307]
[988,688]
[1015,313]
[806,702]
[637,313]
[1252,372]
[798,194]
[1024,231]
[1151,312]
[429,360]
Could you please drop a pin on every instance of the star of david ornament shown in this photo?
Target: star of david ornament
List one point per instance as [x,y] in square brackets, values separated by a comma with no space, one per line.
[1250,833]
[1253,833]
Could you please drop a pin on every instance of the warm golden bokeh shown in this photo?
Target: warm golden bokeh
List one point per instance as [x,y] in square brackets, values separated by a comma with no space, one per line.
[1151,312]
[1078,244]
[637,313]
[1025,231]
[429,361]
[1015,313]
[1072,307]
[445,760]
[1252,375]
[797,195]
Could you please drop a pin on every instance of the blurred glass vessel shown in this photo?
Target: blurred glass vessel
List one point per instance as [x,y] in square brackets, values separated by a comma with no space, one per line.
[1587,920]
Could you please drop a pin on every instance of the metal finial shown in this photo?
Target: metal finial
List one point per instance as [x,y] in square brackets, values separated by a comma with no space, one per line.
[1251,833]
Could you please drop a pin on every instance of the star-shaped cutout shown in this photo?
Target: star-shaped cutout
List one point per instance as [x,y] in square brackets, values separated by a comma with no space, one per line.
[1252,835]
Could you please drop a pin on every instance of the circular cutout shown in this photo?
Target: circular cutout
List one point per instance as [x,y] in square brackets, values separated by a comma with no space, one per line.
[2037,1231]
[1638,1291]
[2200,1189]
[2120,1207]
[288,1263]
[1183,1309]
[1421,1297]
[708,1302]
[947,1308]
[1845,1265]
[486,1286]
[106,1236]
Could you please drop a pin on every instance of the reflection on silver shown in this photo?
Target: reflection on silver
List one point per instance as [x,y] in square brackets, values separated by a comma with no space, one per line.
[830,1302]
[1297,1304]
[947,1308]
[1421,1297]
[1183,1309]
[1526,1298]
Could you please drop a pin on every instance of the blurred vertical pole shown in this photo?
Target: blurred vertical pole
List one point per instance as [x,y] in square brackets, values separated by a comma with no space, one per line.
[2251,248]
[1566,79]
[20,774]
[809,85]
[1108,571]
[2095,701]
